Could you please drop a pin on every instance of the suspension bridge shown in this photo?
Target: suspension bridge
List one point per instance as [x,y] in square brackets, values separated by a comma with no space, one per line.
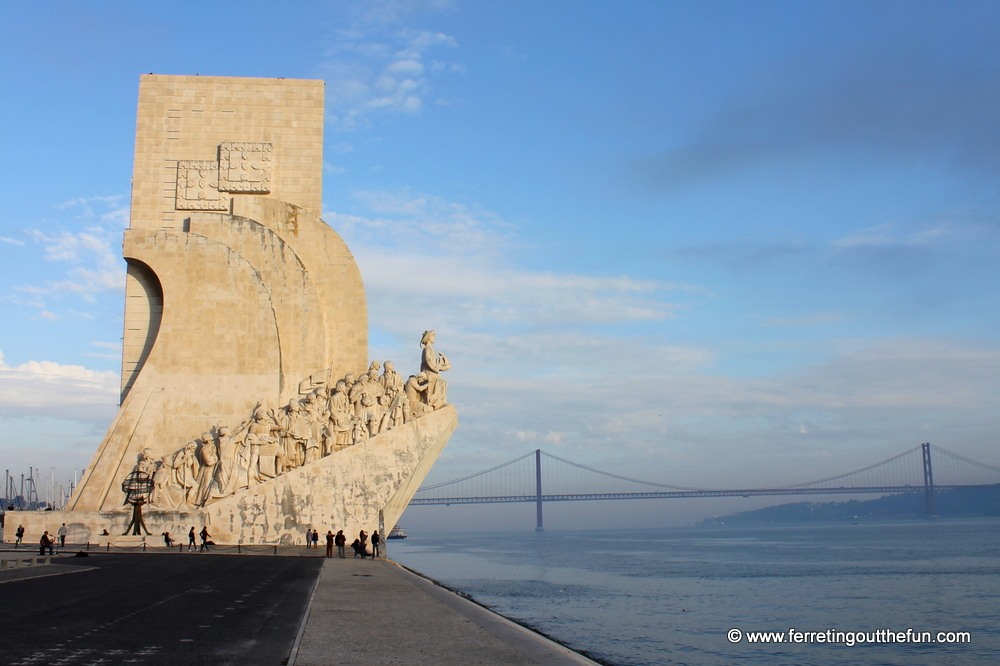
[541,477]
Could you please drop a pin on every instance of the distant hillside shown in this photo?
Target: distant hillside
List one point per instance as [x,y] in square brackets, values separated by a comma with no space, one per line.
[964,503]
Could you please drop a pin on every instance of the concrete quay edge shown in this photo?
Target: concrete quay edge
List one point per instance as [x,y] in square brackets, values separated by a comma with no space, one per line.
[524,638]
[416,621]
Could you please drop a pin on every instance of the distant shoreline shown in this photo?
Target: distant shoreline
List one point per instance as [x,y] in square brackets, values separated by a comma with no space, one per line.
[982,502]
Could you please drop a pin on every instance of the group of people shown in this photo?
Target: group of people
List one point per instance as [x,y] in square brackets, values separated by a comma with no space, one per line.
[47,541]
[273,442]
[360,545]
[168,541]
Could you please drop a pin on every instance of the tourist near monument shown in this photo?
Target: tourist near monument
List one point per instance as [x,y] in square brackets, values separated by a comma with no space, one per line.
[249,408]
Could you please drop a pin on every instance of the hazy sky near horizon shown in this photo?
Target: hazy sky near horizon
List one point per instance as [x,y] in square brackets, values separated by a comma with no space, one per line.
[715,244]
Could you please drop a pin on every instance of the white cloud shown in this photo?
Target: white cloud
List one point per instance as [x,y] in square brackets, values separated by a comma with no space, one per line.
[371,69]
[536,364]
[810,319]
[638,406]
[895,235]
[47,389]
[12,241]
[428,259]
[94,250]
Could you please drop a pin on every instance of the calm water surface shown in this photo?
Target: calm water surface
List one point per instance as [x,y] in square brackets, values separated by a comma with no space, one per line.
[670,596]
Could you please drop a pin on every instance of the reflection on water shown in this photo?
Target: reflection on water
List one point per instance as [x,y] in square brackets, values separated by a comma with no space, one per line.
[669,596]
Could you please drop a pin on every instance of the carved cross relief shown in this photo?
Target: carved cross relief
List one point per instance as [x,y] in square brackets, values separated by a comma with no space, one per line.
[242,167]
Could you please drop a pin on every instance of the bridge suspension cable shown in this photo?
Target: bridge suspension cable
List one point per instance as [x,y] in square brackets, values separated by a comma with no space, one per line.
[615,476]
[857,471]
[522,480]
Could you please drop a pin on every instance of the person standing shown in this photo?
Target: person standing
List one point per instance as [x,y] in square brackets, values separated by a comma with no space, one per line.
[341,541]
[376,540]
[19,536]
[204,537]
[309,537]
[192,544]
[315,538]
[62,535]
[329,543]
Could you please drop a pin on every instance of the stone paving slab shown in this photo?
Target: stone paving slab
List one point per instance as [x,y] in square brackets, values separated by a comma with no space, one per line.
[376,612]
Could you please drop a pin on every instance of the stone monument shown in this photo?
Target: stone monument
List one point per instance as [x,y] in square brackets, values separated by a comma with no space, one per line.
[247,399]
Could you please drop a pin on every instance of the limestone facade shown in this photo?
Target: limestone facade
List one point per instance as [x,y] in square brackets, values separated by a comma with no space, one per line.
[240,302]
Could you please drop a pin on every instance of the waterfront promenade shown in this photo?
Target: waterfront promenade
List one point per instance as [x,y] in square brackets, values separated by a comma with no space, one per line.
[168,607]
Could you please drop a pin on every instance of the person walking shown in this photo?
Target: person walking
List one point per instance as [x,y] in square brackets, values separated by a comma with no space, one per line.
[341,541]
[376,540]
[192,544]
[19,536]
[62,535]
[204,537]
[329,543]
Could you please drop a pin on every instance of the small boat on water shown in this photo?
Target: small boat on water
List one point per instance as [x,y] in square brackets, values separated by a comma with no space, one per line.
[397,532]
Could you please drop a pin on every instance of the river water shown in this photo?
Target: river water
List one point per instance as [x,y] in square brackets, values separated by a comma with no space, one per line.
[669,596]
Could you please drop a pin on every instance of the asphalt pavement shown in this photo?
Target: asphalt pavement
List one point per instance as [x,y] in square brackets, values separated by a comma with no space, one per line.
[157,609]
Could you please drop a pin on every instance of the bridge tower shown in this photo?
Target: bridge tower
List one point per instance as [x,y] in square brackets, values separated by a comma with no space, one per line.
[538,491]
[930,505]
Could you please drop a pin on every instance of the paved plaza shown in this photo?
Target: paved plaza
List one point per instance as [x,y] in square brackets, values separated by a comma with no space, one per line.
[190,608]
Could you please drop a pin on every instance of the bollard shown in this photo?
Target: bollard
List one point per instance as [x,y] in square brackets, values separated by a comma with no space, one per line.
[238,551]
[88,545]
[109,546]
[48,560]
[275,550]
[144,546]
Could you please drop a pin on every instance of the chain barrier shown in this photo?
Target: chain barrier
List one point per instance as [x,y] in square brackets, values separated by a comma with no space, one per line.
[145,547]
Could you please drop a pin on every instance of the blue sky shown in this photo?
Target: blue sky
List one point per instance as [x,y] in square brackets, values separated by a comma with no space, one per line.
[705,243]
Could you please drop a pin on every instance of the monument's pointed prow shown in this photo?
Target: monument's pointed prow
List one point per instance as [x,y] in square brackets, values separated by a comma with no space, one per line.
[248,403]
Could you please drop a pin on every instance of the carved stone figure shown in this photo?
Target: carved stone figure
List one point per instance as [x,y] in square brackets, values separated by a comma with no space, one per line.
[315,413]
[260,441]
[147,463]
[416,393]
[208,456]
[340,416]
[186,466]
[358,432]
[398,410]
[228,473]
[165,493]
[434,364]
[295,435]
[390,378]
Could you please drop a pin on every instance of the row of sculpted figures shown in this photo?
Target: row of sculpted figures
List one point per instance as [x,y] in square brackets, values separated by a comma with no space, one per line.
[272,442]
